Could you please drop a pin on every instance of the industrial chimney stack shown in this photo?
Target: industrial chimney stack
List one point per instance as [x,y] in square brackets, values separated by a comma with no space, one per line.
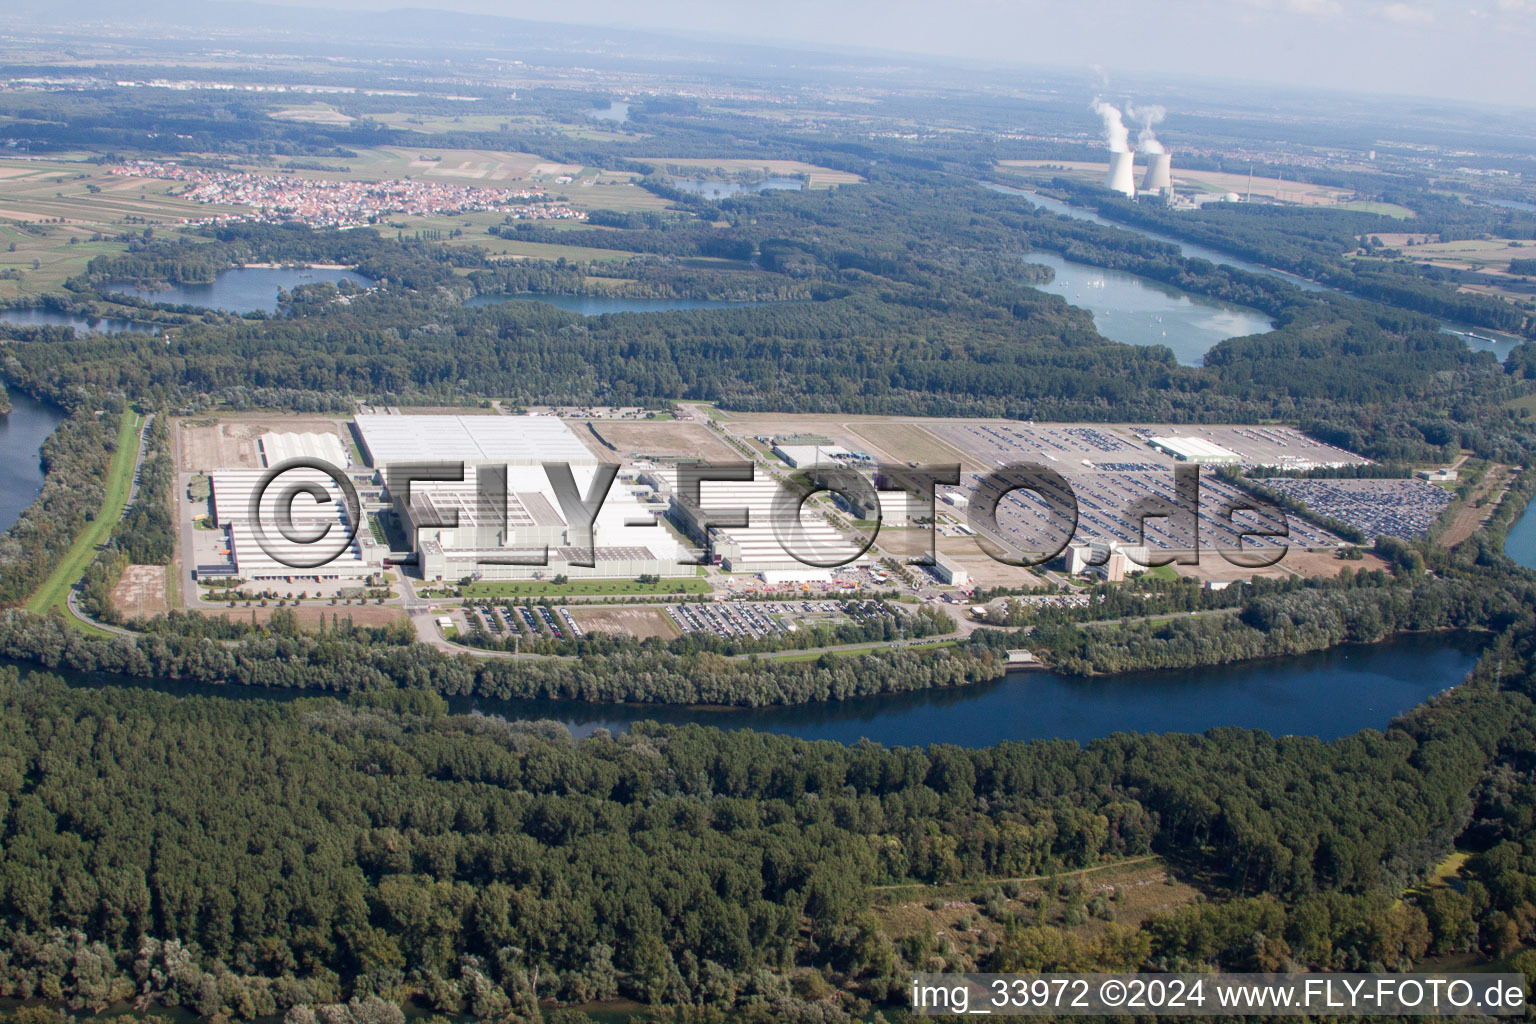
[1122,173]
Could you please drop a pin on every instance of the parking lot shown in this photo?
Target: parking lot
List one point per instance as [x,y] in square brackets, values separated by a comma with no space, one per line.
[1109,474]
[1393,508]
[541,623]
[761,619]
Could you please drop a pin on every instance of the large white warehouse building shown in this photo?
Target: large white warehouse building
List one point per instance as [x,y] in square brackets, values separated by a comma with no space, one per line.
[521,531]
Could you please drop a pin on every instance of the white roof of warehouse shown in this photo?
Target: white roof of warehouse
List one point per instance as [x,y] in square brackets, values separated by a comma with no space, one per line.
[252,561]
[233,489]
[1194,447]
[279,448]
[525,440]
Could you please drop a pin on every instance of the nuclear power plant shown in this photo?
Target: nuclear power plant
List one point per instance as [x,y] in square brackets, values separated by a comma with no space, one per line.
[1122,173]
[1122,169]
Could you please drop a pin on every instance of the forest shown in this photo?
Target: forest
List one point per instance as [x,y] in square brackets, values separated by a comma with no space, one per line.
[1315,241]
[376,846]
[905,295]
[353,850]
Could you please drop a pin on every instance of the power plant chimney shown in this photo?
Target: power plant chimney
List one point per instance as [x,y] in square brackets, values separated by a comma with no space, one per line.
[1122,173]
[1159,177]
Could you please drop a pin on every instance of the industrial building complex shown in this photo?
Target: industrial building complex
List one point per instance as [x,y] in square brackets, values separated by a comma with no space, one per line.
[474,497]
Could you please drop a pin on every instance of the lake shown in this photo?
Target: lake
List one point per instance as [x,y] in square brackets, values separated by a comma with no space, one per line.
[48,318]
[711,188]
[22,434]
[1329,694]
[597,305]
[1520,542]
[1477,338]
[242,289]
[1138,311]
[1189,249]
[617,112]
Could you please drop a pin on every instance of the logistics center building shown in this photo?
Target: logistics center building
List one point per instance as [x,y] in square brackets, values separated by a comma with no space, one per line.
[517,530]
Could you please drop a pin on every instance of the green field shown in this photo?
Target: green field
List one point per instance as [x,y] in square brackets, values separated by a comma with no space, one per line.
[474,235]
[50,211]
[1384,209]
[53,594]
[584,588]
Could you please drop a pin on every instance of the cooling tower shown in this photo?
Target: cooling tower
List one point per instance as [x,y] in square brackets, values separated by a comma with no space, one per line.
[1122,174]
[1158,173]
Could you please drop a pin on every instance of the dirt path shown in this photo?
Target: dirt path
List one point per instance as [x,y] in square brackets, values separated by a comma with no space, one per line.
[1469,518]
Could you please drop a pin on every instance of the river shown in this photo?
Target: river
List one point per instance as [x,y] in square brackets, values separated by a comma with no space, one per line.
[1477,338]
[22,434]
[1329,694]
[242,289]
[597,305]
[1189,249]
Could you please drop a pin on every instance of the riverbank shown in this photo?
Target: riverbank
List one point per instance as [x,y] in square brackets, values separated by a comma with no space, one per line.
[53,594]
[1327,694]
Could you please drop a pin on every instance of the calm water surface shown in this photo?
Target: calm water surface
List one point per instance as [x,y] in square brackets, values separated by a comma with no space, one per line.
[1477,338]
[616,112]
[1330,694]
[243,289]
[712,188]
[22,434]
[1520,544]
[48,318]
[1138,311]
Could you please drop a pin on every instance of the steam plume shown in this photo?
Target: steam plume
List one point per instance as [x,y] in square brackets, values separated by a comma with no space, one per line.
[1116,134]
[1146,139]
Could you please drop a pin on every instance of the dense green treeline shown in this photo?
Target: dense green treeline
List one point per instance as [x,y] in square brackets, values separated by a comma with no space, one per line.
[1477,590]
[75,460]
[920,303]
[347,850]
[146,535]
[1280,618]
[343,660]
[1313,241]
[877,621]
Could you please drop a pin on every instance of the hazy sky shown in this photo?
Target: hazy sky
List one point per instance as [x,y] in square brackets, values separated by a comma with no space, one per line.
[1470,49]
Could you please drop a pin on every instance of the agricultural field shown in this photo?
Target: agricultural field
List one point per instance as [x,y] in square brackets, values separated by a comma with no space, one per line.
[475,235]
[58,215]
[818,177]
[1279,189]
[490,168]
[434,124]
[1484,262]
